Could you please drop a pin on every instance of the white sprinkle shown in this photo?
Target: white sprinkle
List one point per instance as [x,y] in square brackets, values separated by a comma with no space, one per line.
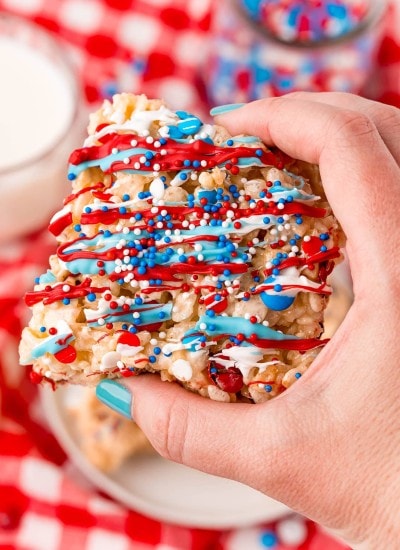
[149,139]
[137,231]
[295,249]
[159,225]
[126,160]
[133,142]
[307,238]
[200,257]
[157,144]
[163,152]
[137,166]
[198,247]
[120,364]
[66,288]
[114,150]
[142,159]
[162,335]
[153,342]
[157,168]
[101,321]
[203,223]
[125,230]
[136,315]
[203,163]
[280,206]
[202,326]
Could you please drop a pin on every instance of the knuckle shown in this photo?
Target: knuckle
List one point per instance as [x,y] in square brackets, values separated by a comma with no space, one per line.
[347,127]
[169,431]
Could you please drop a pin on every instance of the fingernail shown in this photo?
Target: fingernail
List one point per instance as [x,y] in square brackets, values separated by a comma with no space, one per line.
[115,396]
[222,109]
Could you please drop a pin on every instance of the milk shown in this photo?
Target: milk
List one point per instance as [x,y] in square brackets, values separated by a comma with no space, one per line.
[39,127]
[36,105]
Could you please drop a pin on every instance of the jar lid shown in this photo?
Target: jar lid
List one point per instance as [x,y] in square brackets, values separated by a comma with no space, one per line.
[307,21]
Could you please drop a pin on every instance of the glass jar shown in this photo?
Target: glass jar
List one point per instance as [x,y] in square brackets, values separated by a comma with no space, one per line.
[246,62]
[40,102]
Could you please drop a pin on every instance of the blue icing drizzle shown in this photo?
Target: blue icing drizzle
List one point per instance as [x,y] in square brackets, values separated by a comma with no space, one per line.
[192,340]
[149,314]
[234,325]
[47,277]
[51,345]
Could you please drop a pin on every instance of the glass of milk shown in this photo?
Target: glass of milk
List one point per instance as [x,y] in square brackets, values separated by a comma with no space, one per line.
[40,123]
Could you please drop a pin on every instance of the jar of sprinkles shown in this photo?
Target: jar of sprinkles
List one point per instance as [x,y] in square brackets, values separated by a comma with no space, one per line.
[264,48]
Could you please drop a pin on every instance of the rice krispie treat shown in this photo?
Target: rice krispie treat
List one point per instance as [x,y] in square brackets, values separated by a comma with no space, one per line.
[185,251]
[105,437]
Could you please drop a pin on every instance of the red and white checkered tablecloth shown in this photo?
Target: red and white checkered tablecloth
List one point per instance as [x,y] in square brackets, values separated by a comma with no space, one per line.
[157,47]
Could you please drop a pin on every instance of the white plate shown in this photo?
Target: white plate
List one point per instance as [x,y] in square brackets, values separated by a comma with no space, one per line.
[162,489]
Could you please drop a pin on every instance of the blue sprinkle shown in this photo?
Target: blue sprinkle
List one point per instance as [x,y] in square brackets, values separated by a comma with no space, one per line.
[71,176]
[230,142]
[157,350]
[147,163]
[77,227]
[152,359]
[218,297]
[138,301]
[126,197]
[91,297]
[162,314]
[275,271]
[324,236]
[266,220]
[259,152]
[183,176]
[124,326]
[269,539]
[138,216]
[107,233]
[210,313]
[88,209]
[104,208]
[122,210]
[186,162]
[132,329]
[297,375]
[268,388]
[213,370]
[149,155]
[196,164]
[163,141]
[299,221]
[66,301]
[211,327]
[278,288]
[141,270]
[42,329]
[323,248]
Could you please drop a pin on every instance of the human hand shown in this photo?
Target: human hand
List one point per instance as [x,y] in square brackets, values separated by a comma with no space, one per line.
[328,446]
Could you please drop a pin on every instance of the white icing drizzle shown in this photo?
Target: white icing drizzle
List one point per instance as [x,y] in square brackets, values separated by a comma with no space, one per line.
[139,123]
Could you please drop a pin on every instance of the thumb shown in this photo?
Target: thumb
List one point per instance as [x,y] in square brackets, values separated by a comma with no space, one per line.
[219,438]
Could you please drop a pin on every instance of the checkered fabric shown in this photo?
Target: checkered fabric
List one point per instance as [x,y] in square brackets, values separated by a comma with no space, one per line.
[158,47]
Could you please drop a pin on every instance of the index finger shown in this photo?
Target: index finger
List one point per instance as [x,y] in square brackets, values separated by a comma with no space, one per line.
[360,176]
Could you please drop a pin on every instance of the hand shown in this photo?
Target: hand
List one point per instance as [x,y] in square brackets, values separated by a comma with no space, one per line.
[329,447]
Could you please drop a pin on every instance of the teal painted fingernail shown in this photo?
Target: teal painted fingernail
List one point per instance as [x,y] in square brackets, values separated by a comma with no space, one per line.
[222,109]
[115,396]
